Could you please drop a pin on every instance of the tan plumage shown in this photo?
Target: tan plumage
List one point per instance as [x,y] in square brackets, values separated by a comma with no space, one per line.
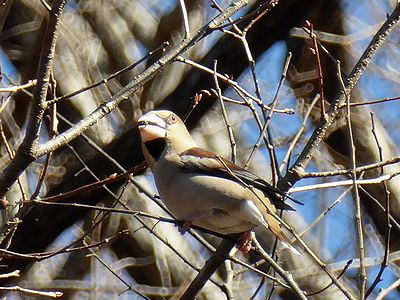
[199,186]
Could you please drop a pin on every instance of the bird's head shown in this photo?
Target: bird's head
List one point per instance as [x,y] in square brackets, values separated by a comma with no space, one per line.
[165,128]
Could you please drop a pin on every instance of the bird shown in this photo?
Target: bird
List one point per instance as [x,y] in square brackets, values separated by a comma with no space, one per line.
[203,189]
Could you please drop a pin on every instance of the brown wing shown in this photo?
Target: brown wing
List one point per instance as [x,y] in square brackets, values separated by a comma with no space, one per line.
[206,162]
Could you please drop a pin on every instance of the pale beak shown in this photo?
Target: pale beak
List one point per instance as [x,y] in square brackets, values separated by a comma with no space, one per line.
[151,127]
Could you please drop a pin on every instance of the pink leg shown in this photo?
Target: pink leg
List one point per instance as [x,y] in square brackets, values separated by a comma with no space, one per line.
[244,244]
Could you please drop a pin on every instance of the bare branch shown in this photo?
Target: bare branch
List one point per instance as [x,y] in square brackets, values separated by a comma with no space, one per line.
[296,171]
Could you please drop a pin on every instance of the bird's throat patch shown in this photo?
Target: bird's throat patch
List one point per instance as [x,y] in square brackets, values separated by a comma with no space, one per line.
[156,147]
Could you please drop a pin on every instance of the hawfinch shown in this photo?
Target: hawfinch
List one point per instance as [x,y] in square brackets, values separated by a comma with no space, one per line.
[203,189]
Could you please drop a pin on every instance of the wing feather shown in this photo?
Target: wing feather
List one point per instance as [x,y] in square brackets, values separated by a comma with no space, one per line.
[201,160]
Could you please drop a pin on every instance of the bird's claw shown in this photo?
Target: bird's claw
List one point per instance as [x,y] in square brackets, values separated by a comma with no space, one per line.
[244,244]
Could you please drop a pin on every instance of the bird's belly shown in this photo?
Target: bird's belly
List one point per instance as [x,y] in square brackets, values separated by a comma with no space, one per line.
[223,224]
[210,202]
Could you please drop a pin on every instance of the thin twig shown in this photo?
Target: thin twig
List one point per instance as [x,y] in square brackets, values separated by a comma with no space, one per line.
[253,268]
[46,5]
[378,101]
[258,289]
[345,268]
[320,263]
[15,273]
[266,6]
[53,133]
[127,284]
[285,275]
[95,185]
[390,161]
[386,291]
[323,48]
[355,192]
[319,68]
[225,115]
[393,220]
[276,175]
[11,155]
[384,263]
[31,292]
[337,184]
[325,212]
[16,88]
[285,161]
[69,249]
[185,18]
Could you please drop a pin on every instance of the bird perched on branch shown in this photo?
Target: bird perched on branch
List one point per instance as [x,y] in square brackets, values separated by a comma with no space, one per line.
[203,189]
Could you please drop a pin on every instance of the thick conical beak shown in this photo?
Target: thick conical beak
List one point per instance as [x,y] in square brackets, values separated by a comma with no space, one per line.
[152,127]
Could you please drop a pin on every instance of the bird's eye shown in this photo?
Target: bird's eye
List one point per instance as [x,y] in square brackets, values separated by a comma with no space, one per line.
[172,119]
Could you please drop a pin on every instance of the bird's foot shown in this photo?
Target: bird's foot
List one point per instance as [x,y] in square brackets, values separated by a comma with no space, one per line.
[184,227]
[244,244]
